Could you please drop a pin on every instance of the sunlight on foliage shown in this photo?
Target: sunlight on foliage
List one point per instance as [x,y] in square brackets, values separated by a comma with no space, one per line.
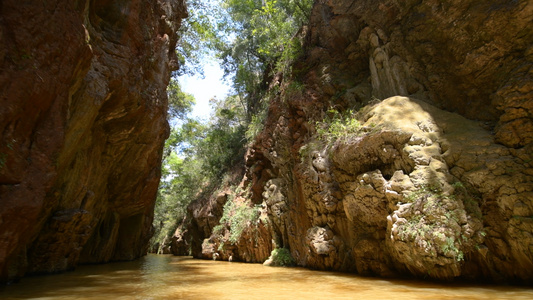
[195,157]
[282,257]
[179,102]
[252,39]
[237,217]
[338,126]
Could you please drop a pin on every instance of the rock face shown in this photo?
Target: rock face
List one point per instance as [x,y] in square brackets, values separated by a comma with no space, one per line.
[438,181]
[82,125]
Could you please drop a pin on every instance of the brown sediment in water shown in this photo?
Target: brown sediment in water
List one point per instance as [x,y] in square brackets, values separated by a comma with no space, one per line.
[169,277]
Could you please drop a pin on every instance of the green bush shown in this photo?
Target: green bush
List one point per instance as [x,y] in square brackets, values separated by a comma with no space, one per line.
[281,257]
[338,125]
[255,126]
[237,217]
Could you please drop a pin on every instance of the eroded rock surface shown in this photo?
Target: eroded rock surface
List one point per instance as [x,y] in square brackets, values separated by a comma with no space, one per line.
[438,182]
[82,125]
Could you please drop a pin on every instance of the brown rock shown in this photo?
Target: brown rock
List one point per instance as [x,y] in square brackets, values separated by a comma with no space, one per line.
[82,125]
[437,184]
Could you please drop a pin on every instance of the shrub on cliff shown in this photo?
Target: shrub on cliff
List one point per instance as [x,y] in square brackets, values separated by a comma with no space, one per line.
[280,257]
[338,125]
[236,218]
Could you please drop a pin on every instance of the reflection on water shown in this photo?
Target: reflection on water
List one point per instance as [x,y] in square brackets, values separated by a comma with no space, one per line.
[158,277]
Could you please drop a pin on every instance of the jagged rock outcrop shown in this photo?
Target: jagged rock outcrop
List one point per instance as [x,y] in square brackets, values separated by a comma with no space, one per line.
[438,181]
[225,226]
[82,125]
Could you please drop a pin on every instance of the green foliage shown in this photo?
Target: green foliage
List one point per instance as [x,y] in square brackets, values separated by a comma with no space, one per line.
[223,143]
[282,257]
[198,36]
[430,226]
[449,249]
[179,102]
[256,124]
[294,88]
[178,186]
[308,149]
[338,126]
[195,157]
[458,185]
[237,217]
[291,52]
[424,191]
[418,229]
[251,38]
[259,39]
[3,159]
[470,201]
[241,218]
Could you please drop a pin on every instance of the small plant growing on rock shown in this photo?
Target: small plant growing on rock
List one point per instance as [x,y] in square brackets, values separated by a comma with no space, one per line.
[294,88]
[424,191]
[307,149]
[237,217]
[435,223]
[338,125]
[449,249]
[3,159]
[280,257]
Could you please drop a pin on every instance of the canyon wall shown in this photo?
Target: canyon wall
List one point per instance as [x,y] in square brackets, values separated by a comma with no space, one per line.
[435,182]
[82,127]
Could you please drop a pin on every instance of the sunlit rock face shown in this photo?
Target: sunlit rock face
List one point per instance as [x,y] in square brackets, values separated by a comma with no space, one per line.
[438,183]
[83,120]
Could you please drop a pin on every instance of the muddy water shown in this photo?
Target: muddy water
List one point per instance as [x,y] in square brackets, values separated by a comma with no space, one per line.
[169,277]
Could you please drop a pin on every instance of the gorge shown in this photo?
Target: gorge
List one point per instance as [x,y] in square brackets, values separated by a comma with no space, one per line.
[397,143]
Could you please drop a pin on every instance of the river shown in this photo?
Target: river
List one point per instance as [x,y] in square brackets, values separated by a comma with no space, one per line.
[170,277]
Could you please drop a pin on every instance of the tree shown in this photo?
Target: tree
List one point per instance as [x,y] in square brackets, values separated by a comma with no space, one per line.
[250,37]
[258,34]
[198,36]
[179,102]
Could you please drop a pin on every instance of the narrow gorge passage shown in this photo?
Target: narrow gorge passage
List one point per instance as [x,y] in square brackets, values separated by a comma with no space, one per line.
[388,139]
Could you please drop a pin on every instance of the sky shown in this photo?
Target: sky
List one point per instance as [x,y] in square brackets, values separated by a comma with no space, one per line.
[212,85]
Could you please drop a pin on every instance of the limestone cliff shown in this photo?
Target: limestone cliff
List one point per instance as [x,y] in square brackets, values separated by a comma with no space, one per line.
[437,181]
[82,125]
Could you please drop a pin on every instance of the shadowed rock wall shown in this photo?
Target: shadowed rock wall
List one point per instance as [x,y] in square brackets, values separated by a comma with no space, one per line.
[82,125]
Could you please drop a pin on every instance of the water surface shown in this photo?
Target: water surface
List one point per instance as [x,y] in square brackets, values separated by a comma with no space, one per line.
[170,277]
